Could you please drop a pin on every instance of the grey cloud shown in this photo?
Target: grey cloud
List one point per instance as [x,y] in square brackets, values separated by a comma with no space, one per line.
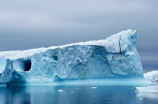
[70,14]
[148,58]
[37,23]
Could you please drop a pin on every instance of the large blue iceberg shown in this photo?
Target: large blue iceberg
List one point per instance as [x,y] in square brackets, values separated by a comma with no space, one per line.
[114,57]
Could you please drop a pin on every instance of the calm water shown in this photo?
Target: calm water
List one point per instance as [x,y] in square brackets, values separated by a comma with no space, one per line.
[75,95]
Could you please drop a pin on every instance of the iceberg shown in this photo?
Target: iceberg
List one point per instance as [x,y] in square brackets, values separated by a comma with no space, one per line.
[152,76]
[113,57]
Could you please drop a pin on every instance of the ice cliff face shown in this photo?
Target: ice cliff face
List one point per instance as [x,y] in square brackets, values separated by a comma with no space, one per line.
[115,56]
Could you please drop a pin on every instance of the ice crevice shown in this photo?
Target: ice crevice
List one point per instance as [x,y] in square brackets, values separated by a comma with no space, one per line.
[120,44]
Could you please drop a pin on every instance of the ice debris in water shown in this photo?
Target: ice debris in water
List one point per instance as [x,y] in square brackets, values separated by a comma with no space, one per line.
[101,82]
[60,90]
[94,87]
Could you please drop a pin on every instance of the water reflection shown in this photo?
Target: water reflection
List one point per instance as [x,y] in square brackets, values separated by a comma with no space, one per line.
[72,95]
[148,98]
[15,95]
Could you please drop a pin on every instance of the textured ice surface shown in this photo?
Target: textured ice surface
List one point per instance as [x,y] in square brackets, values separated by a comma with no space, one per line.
[115,56]
[152,76]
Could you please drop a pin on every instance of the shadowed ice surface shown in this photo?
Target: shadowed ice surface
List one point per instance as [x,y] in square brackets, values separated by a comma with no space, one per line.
[75,95]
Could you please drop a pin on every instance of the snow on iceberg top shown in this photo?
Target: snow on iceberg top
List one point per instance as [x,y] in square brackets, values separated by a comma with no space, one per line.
[12,55]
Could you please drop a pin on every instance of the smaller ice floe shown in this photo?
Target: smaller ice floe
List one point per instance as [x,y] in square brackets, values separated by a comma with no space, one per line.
[152,89]
[152,76]
[140,98]
[72,92]
[94,87]
[60,90]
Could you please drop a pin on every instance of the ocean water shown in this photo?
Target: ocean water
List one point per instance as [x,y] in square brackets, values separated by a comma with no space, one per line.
[75,95]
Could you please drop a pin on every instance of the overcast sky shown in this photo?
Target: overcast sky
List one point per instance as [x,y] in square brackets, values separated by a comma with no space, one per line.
[26,24]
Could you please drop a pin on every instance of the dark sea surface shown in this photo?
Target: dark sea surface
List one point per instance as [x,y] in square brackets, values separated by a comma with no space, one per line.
[75,95]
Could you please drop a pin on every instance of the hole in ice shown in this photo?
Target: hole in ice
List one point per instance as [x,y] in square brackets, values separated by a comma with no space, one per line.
[55,58]
[27,65]
[22,65]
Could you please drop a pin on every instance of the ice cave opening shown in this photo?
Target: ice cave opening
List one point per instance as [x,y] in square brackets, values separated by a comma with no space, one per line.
[22,65]
[55,58]
[27,65]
